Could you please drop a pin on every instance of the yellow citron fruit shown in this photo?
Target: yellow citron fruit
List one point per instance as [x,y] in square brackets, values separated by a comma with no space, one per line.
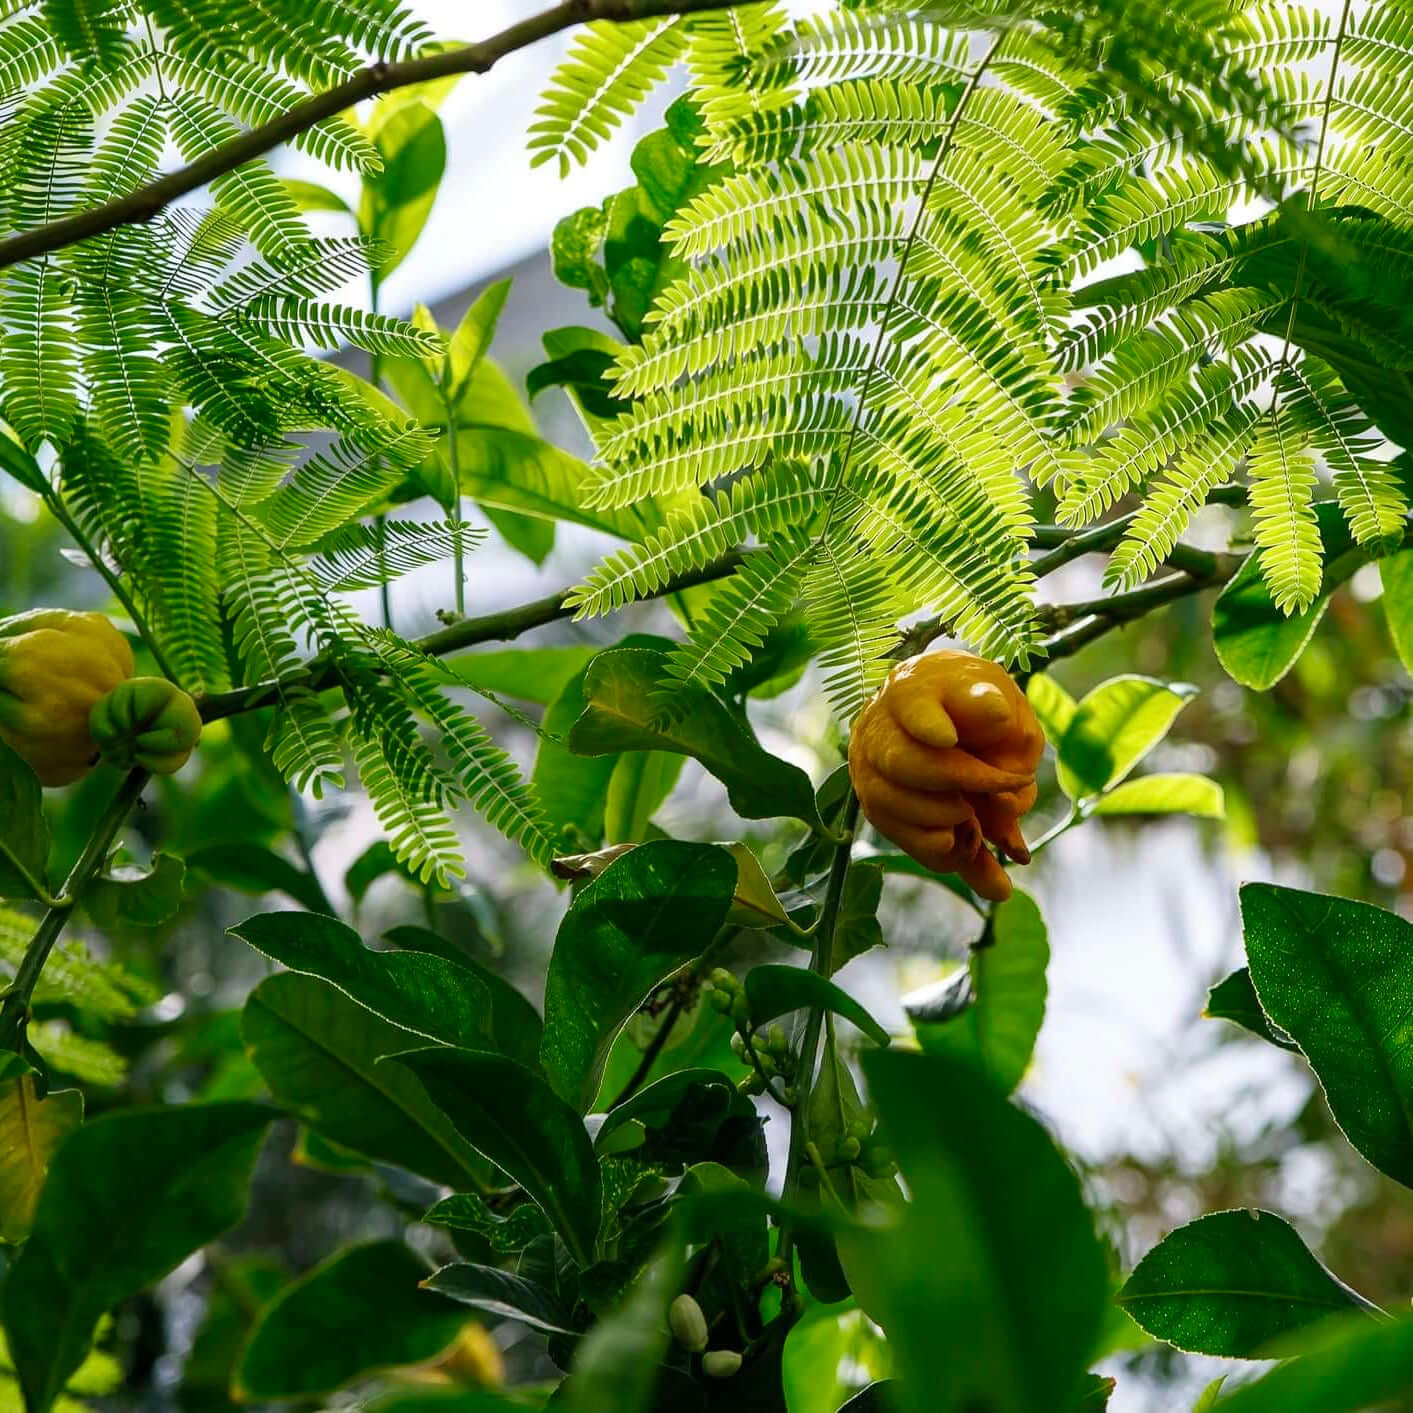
[146,721]
[54,665]
[943,762]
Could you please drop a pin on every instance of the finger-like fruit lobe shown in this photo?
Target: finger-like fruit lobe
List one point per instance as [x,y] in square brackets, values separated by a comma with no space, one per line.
[146,721]
[943,761]
[54,665]
[688,1324]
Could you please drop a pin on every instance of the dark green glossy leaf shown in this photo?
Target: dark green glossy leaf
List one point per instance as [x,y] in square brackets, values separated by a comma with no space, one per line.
[423,994]
[1230,1283]
[511,1115]
[1356,1367]
[571,789]
[128,1198]
[1256,642]
[911,868]
[616,1367]
[464,1211]
[657,1102]
[858,930]
[515,1024]
[240,1288]
[1234,999]
[992,1290]
[20,464]
[880,1397]
[319,1052]
[360,1312]
[501,1293]
[652,910]
[1337,977]
[777,990]
[1113,728]
[998,1029]
[256,870]
[24,834]
[128,896]
[375,862]
[1094,1394]
[622,715]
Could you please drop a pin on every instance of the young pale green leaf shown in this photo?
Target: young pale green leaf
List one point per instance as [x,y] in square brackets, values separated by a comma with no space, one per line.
[426,995]
[1396,575]
[128,1198]
[31,1129]
[640,783]
[509,1114]
[1165,794]
[398,200]
[530,674]
[777,990]
[1356,1366]
[1234,999]
[501,1293]
[128,896]
[621,715]
[472,339]
[991,1291]
[653,910]
[319,1052]
[1053,706]
[1113,728]
[1337,977]
[360,1312]
[998,1030]
[1230,1283]
[827,1354]
[24,834]
[1256,642]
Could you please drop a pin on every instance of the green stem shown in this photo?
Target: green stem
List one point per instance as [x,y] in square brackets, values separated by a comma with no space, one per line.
[380,524]
[805,1067]
[655,1048]
[458,557]
[14,1009]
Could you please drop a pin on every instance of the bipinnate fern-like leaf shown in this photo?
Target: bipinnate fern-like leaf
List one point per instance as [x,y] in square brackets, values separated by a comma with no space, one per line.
[903,252]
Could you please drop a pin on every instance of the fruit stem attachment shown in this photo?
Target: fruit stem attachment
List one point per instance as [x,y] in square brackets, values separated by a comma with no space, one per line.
[14,1006]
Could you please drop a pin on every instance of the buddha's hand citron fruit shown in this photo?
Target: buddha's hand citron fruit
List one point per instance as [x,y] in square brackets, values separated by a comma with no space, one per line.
[54,665]
[146,721]
[943,762]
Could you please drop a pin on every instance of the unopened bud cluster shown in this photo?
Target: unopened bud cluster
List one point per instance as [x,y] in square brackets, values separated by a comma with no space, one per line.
[859,1146]
[766,1050]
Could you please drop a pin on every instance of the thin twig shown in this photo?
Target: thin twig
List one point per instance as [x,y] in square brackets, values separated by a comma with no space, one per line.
[467,633]
[14,1008]
[382,77]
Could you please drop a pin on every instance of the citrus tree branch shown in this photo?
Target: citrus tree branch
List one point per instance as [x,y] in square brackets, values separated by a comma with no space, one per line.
[466,633]
[145,202]
[14,1006]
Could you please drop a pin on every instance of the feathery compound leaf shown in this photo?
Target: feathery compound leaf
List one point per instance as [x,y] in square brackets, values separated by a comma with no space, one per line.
[609,72]
[366,556]
[779,498]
